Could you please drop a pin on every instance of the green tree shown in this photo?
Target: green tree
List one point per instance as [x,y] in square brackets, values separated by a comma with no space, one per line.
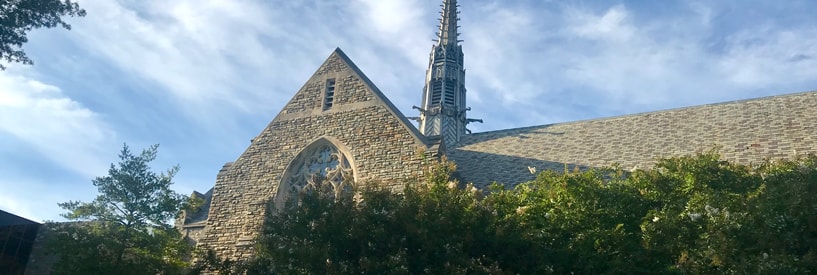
[783,223]
[713,216]
[574,222]
[124,230]
[18,17]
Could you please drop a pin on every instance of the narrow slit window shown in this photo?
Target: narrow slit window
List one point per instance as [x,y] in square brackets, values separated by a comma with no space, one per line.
[329,95]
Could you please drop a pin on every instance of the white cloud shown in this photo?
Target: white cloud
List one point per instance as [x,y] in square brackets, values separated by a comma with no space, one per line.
[12,205]
[204,55]
[218,61]
[613,25]
[759,58]
[36,200]
[703,13]
[609,61]
[399,25]
[154,50]
[59,134]
[496,42]
[388,32]
[57,127]
[625,62]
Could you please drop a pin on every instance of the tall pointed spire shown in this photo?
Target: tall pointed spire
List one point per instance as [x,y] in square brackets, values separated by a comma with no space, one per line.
[443,107]
[448,23]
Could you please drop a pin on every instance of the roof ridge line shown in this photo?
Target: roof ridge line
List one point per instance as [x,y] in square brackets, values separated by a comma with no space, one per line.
[652,112]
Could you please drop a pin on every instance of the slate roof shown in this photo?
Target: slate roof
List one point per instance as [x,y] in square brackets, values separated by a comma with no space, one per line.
[746,131]
[8,219]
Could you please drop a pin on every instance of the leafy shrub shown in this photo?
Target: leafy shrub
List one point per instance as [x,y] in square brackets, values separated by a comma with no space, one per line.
[695,214]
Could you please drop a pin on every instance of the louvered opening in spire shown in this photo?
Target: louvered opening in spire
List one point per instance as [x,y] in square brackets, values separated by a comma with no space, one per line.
[444,108]
[448,23]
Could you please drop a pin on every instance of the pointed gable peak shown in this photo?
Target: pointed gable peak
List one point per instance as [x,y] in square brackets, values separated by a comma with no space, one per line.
[379,96]
[342,55]
[338,52]
[337,86]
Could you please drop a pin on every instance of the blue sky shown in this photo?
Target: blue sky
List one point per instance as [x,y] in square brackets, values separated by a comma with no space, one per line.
[203,77]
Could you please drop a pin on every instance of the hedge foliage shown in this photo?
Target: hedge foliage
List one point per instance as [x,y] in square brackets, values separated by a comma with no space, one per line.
[695,214]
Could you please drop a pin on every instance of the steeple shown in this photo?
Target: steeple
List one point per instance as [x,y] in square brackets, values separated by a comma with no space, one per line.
[448,23]
[443,107]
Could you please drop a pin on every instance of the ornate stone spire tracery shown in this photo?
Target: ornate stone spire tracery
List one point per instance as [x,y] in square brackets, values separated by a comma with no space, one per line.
[443,111]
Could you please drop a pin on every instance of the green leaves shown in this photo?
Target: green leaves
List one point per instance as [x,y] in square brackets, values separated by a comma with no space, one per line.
[715,216]
[18,17]
[694,214]
[431,227]
[124,229]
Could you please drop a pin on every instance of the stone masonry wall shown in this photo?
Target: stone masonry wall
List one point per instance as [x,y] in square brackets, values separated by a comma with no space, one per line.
[381,146]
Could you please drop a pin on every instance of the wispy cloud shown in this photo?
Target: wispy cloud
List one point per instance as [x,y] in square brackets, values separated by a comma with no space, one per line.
[609,62]
[761,57]
[56,127]
[49,141]
[36,200]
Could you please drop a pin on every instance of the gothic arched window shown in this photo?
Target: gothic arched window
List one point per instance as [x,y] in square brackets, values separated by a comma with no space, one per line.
[320,165]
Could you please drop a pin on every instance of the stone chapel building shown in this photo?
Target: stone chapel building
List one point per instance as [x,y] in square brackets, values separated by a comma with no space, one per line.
[341,126]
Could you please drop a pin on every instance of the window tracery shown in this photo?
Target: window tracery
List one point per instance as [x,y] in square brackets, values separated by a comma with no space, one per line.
[322,166]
